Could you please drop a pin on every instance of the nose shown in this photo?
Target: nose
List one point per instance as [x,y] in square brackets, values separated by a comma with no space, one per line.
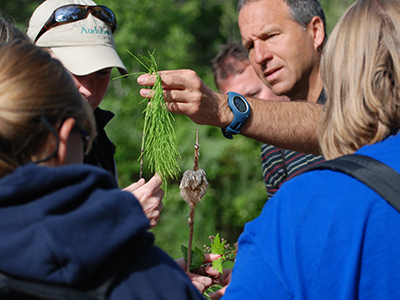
[261,53]
[86,85]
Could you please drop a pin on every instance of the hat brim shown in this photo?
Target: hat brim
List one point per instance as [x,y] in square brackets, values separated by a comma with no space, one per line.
[84,60]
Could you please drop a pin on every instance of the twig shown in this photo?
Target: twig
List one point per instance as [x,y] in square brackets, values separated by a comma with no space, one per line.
[191,227]
[196,152]
[193,187]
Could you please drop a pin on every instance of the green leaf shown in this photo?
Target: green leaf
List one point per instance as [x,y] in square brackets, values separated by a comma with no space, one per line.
[197,259]
[217,264]
[217,247]
[184,251]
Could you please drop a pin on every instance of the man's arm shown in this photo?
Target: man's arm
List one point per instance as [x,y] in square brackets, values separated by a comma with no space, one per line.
[288,125]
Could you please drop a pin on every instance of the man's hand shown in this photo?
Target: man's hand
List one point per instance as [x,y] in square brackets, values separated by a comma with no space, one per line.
[186,94]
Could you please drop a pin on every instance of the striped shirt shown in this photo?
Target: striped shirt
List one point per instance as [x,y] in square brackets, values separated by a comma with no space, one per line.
[279,165]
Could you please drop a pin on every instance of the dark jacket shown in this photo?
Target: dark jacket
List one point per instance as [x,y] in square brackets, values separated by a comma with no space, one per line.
[72,226]
[103,150]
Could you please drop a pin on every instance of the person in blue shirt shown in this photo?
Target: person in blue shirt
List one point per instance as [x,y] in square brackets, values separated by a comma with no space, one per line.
[62,222]
[325,235]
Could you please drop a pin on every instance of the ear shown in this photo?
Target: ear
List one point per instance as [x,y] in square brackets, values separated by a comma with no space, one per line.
[64,135]
[317,28]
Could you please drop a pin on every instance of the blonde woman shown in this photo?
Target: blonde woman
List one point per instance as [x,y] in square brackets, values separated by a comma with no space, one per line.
[63,222]
[338,239]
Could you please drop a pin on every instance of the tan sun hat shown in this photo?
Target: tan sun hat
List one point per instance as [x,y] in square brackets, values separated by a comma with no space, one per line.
[84,46]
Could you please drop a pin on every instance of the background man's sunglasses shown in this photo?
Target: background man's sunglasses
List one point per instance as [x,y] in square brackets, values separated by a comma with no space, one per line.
[74,12]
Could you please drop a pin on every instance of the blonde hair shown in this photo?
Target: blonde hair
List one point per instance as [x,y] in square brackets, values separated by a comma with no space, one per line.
[35,91]
[360,69]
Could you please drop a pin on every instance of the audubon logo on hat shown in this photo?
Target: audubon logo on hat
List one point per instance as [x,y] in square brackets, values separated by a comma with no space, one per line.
[95,31]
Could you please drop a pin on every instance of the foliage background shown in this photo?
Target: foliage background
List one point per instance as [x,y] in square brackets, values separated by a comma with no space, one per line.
[185,34]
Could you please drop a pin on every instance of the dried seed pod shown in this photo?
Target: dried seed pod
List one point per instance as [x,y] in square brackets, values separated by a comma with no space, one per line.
[193,186]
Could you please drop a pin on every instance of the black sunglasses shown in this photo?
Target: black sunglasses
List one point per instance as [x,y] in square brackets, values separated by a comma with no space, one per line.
[74,12]
[85,134]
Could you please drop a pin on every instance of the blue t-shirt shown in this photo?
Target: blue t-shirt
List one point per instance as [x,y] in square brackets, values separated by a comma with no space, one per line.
[335,240]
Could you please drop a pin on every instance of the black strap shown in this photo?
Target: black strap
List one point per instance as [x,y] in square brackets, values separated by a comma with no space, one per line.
[378,176]
[284,162]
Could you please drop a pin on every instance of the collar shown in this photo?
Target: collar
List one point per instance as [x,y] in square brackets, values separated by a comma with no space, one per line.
[322,98]
[102,117]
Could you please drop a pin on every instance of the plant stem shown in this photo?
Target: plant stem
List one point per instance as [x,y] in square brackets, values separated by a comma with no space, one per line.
[191,227]
[146,117]
[192,206]
[196,152]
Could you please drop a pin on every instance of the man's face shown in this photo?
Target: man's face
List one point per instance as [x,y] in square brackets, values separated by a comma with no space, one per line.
[247,83]
[282,52]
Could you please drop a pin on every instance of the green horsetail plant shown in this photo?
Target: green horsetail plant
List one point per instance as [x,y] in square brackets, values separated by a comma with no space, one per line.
[158,141]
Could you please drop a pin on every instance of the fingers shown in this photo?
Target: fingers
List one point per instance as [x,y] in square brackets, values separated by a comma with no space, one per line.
[174,79]
[181,262]
[200,282]
[210,257]
[214,274]
[135,186]
[218,294]
[186,94]
[150,197]
[154,183]
[152,207]
[206,276]
[153,212]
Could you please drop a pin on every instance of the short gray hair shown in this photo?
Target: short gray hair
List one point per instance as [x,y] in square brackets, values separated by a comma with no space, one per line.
[302,11]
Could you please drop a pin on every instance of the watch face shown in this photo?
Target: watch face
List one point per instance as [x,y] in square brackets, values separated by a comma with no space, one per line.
[240,104]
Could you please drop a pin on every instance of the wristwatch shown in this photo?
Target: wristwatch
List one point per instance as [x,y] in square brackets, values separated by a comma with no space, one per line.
[241,112]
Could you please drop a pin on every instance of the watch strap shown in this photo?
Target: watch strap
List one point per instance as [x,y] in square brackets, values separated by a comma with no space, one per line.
[240,116]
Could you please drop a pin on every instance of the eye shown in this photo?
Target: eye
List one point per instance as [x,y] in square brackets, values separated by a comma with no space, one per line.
[248,45]
[252,94]
[272,35]
[104,72]
[255,95]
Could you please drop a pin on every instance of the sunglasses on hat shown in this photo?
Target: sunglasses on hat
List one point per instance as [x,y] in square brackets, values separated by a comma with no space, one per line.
[74,12]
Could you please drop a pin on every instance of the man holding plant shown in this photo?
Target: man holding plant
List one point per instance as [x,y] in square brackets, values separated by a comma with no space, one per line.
[284,40]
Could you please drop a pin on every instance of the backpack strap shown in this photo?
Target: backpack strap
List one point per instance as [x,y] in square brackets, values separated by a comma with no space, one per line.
[378,176]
